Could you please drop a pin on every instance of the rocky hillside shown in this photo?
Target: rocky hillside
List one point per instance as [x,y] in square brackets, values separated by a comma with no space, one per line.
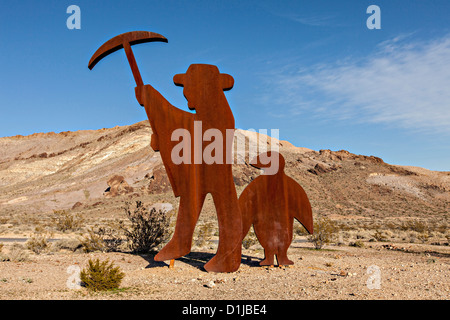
[86,169]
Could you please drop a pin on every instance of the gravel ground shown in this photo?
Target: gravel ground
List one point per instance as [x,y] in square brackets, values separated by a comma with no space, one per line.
[405,271]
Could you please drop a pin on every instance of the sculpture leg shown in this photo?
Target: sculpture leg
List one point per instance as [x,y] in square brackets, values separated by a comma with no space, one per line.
[180,244]
[228,256]
[268,257]
[282,258]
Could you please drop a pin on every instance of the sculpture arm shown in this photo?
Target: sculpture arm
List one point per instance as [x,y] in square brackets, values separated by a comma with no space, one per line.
[163,116]
[146,95]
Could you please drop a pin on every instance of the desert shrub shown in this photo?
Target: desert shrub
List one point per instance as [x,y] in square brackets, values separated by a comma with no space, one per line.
[412,236]
[418,226]
[250,239]
[109,238]
[67,244]
[442,228]
[2,256]
[101,275]
[92,242]
[358,244]
[17,253]
[423,236]
[420,230]
[391,225]
[38,243]
[112,237]
[344,225]
[299,229]
[447,236]
[379,236]
[148,229]
[324,230]
[65,221]
[204,235]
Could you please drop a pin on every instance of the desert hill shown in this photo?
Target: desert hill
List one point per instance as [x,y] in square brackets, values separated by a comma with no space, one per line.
[96,170]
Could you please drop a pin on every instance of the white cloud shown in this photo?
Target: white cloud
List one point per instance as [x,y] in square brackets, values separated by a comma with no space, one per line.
[314,21]
[404,84]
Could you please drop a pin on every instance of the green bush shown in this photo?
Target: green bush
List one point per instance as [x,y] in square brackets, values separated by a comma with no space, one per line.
[324,230]
[66,222]
[101,276]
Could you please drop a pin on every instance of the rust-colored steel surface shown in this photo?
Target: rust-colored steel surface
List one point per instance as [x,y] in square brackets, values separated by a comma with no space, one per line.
[125,41]
[193,179]
[270,203]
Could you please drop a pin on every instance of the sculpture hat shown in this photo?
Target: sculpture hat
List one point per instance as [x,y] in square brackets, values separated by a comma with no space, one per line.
[197,73]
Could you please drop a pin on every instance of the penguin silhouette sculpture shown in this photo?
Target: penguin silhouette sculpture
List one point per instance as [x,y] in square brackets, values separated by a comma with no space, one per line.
[270,203]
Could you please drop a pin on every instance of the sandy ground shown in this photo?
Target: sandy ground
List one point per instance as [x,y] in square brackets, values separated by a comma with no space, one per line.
[405,271]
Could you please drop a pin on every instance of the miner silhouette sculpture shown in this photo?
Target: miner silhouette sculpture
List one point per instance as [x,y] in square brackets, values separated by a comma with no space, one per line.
[191,177]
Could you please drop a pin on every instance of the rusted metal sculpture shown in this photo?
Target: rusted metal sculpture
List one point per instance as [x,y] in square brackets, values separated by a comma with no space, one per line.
[204,88]
[192,181]
[125,41]
[270,203]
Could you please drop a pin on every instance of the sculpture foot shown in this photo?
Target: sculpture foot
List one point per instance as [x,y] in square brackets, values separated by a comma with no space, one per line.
[171,252]
[224,263]
[266,262]
[284,261]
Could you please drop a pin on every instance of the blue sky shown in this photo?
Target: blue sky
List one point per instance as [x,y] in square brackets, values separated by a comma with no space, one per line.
[311,69]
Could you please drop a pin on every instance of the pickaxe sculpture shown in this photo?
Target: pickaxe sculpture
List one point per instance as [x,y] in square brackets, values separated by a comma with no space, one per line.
[125,41]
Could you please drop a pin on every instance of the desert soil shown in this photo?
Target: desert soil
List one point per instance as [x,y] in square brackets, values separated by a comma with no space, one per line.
[406,271]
